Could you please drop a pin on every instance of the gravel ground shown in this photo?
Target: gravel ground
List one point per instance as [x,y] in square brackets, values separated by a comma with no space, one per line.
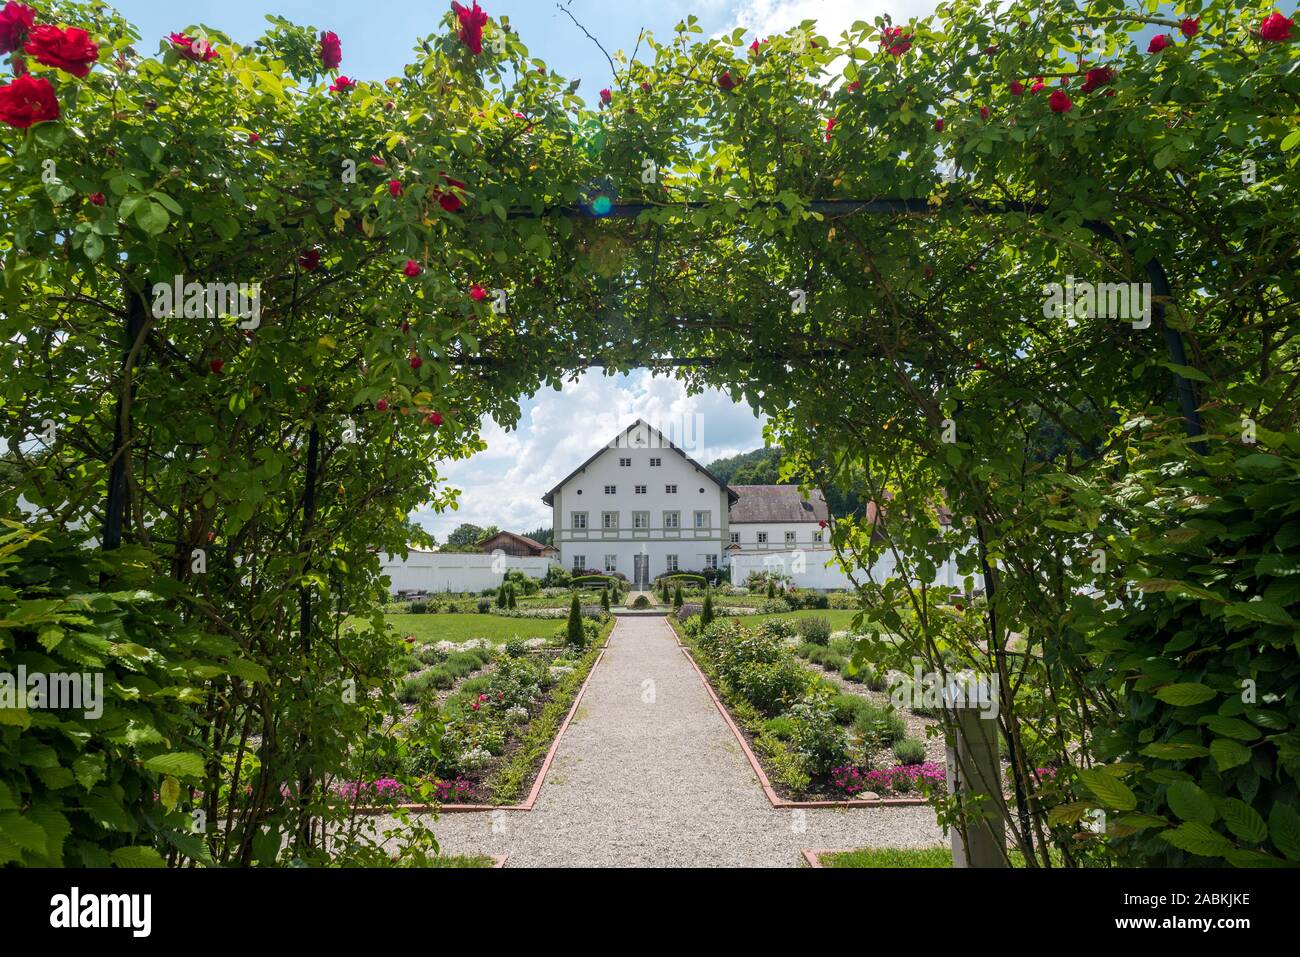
[649,775]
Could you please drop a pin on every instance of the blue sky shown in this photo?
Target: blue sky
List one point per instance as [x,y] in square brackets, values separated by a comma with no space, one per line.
[557,431]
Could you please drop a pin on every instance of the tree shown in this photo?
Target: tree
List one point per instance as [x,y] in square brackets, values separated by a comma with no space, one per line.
[576,632]
[510,596]
[466,537]
[706,611]
[501,595]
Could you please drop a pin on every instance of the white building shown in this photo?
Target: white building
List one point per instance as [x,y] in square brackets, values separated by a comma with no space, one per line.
[641,507]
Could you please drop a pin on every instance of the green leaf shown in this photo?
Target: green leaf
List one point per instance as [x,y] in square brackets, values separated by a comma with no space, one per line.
[137,856]
[1190,803]
[1228,753]
[1185,694]
[152,218]
[1199,839]
[169,792]
[23,831]
[182,764]
[1243,820]
[1284,830]
[1108,789]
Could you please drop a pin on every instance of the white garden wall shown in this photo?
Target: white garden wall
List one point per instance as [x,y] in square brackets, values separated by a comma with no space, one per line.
[808,569]
[455,571]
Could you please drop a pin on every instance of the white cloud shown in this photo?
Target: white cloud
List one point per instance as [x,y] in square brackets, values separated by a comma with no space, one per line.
[765,17]
[558,431]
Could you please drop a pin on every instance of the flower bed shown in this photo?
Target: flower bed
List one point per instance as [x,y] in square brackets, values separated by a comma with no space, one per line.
[485,742]
[813,743]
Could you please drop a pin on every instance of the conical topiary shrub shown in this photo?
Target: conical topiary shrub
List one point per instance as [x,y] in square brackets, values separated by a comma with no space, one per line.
[706,613]
[677,596]
[577,635]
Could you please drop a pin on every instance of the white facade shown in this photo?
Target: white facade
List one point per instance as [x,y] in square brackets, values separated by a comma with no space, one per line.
[432,572]
[640,507]
[817,568]
[760,538]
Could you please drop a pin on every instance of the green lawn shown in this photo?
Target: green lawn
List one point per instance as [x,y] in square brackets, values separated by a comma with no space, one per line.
[458,627]
[841,619]
[890,857]
[908,857]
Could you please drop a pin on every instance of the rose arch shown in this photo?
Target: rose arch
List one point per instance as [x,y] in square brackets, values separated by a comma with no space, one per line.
[249,304]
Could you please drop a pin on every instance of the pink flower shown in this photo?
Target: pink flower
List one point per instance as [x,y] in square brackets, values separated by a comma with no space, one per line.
[343,84]
[16,20]
[477,292]
[895,41]
[97,199]
[394,187]
[1275,28]
[412,268]
[1017,88]
[331,50]
[938,125]
[1158,43]
[472,21]
[1060,102]
[830,125]
[606,97]
[1190,26]
[1037,86]
[200,51]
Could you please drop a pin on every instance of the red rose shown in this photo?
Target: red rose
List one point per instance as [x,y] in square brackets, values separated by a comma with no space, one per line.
[27,101]
[1098,77]
[477,292]
[412,268]
[382,405]
[434,419]
[309,259]
[1275,28]
[1158,43]
[97,199]
[200,51]
[416,361]
[449,200]
[342,85]
[854,86]
[727,82]
[645,87]
[830,125]
[71,50]
[394,187]
[472,20]
[1017,88]
[254,138]
[15,20]
[606,97]
[984,112]
[938,125]
[1190,26]
[895,41]
[1060,102]
[216,365]
[331,50]
[1037,86]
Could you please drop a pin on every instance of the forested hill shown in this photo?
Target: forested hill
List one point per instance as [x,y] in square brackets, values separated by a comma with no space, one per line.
[761,467]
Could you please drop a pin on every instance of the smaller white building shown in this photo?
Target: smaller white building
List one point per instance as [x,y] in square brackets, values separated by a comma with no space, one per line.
[432,571]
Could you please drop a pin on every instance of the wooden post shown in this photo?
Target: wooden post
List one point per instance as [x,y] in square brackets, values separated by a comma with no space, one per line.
[973,774]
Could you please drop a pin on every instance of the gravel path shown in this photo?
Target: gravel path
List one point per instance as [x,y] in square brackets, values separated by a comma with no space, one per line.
[649,775]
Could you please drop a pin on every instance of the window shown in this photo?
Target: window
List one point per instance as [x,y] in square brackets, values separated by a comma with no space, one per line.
[611,489]
[611,563]
[579,563]
[656,462]
[670,489]
[762,538]
[640,519]
[578,520]
[711,561]
[609,519]
[672,519]
[624,463]
[735,538]
[789,538]
[817,537]
[671,563]
[702,520]
[639,489]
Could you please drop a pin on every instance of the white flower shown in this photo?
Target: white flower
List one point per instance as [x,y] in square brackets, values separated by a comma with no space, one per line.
[475,758]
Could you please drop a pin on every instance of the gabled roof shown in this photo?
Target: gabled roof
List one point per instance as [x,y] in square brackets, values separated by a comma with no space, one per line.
[522,539]
[549,497]
[777,503]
